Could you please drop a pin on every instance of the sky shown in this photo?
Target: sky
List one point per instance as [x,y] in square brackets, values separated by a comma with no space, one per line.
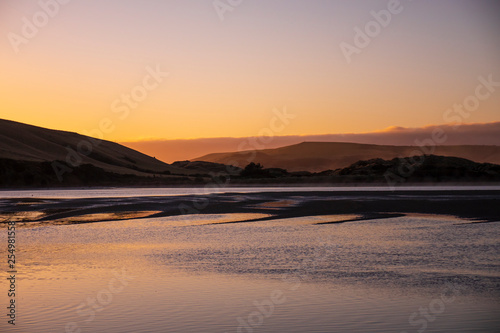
[135,70]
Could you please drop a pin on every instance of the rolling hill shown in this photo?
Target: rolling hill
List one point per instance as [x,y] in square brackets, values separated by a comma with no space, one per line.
[320,156]
[22,142]
[429,169]
[432,168]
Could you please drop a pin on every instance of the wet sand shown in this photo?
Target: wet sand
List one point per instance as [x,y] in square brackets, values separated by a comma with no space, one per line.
[474,205]
[200,262]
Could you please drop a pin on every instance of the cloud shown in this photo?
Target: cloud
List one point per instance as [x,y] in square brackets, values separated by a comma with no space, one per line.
[176,150]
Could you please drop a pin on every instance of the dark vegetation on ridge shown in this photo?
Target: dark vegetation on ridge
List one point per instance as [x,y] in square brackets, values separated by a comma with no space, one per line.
[418,169]
[32,157]
[320,156]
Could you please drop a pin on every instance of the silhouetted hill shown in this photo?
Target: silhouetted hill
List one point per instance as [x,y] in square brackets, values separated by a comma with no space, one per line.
[319,156]
[32,156]
[408,170]
[28,155]
[429,168]
[21,142]
[41,174]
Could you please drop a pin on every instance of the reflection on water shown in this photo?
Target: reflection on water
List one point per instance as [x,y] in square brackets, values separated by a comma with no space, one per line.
[138,192]
[187,274]
[28,219]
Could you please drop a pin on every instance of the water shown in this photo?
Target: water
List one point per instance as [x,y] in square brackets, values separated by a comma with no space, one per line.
[144,192]
[186,274]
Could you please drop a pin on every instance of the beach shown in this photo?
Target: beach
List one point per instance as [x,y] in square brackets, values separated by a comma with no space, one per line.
[258,261]
[475,205]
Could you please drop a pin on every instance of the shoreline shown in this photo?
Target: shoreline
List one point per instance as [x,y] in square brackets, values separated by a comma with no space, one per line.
[263,185]
[472,205]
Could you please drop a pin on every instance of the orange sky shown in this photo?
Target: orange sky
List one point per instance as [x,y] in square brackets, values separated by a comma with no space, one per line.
[226,76]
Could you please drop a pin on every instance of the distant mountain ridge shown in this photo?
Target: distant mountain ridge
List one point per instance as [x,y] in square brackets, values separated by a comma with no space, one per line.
[28,155]
[321,156]
[182,149]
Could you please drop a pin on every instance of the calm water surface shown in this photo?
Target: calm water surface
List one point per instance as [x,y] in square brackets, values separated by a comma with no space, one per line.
[181,274]
[141,192]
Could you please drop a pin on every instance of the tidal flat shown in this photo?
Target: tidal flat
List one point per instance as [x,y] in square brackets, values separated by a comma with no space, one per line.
[256,260]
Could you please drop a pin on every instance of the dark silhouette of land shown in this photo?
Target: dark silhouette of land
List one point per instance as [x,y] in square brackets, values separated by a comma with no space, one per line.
[32,156]
[21,142]
[320,156]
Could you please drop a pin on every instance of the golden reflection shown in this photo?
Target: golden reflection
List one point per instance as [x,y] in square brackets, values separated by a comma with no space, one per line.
[308,220]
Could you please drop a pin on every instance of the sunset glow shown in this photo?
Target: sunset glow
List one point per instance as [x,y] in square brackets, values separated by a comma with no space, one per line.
[225,77]
[249,166]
